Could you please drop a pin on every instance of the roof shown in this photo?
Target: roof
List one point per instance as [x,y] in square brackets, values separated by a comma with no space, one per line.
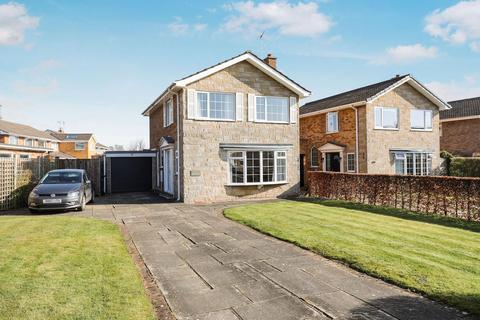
[370,93]
[245,56]
[23,130]
[462,108]
[102,146]
[62,136]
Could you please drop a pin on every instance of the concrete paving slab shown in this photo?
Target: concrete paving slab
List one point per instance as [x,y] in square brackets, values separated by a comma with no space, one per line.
[227,314]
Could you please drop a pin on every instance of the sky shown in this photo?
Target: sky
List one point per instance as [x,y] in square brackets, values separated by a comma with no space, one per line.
[96,65]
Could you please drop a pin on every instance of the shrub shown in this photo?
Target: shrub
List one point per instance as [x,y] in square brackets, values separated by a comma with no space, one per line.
[465,167]
[448,196]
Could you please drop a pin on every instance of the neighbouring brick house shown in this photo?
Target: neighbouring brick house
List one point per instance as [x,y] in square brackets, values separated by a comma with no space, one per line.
[77,145]
[227,132]
[460,128]
[24,141]
[391,127]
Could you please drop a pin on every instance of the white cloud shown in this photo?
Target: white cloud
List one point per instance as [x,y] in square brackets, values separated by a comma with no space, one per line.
[457,24]
[411,53]
[180,28]
[456,90]
[301,19]
[37,87]
[14,22]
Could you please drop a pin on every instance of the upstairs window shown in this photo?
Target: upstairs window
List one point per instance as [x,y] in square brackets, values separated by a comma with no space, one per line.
[272,109]
[13,140]
[421,119]
[79,146]
[386,118]
[217,106]
[29,142]
[41,143]
[168,113]
[314,157]
[332,122]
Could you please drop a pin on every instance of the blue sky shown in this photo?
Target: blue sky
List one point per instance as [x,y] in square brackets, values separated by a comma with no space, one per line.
[96,65]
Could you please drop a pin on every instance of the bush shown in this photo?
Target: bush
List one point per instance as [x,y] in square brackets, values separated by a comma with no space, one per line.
[465,167]
[447,196]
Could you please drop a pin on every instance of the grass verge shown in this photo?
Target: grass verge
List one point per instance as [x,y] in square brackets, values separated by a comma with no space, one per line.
[435,256]
[67,268]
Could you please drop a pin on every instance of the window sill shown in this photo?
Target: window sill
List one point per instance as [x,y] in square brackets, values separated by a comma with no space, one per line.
[331,132]
[217,120]
[421,130]
[255,184]
[168,125]
[387,129]
[273,122]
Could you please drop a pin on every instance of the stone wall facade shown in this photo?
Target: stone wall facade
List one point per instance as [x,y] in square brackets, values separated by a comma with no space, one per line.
[461,137]
[379,142]
[204,166]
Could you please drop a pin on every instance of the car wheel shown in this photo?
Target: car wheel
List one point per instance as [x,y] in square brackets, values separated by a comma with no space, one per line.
[84,204]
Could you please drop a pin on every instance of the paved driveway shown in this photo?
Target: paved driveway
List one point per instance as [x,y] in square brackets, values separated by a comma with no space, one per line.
[209,267]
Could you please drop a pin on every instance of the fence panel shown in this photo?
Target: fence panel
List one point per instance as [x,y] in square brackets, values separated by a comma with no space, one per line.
[448,196]
[19,176]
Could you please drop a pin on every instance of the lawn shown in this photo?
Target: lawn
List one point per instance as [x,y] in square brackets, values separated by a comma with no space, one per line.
[67,268]
[435,256]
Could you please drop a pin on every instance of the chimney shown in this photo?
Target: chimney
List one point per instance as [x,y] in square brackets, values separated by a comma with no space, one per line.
[271,61]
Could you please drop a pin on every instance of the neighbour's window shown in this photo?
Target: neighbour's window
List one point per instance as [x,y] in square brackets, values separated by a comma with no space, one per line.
[214,105]
[13,140]
[5,155]
[351,162]
[258,167]
[29,142]
[314,157]
[332,122]
[386,118]
[421,119]
[413,163]
[41,143]
[24,156]
[271,109]
[54,145]
[168,113]
[79,146]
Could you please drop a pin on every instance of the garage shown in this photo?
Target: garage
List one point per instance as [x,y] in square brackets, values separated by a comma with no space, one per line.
[127,171]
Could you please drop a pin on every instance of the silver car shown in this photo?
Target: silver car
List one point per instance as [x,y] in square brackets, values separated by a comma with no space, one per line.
[63,189]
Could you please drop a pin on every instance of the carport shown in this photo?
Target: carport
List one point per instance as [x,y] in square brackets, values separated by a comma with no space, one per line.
[129,171]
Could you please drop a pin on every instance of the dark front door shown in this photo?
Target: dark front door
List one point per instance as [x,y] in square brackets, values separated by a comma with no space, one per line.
[131,174]
[332,161]
[302,170]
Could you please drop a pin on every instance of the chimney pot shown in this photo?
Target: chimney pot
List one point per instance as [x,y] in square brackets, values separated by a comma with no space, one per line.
[271,60]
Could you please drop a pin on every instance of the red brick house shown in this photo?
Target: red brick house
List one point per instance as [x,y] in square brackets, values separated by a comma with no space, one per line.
[460,128]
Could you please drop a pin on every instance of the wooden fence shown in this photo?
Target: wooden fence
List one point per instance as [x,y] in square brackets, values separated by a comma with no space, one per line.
[19,176]
[447,196]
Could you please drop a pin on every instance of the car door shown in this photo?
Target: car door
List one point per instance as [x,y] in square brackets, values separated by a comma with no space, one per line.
[87,184]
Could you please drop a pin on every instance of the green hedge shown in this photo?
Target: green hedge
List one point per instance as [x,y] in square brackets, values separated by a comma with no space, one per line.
[465,167]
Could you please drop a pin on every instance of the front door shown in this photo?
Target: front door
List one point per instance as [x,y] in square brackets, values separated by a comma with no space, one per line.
[168,170]
[332,161]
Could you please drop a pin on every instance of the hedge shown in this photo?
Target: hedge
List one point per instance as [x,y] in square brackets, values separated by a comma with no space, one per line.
[447,196]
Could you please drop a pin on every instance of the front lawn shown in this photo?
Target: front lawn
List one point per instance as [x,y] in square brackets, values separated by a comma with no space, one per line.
[67,268]
[435,256]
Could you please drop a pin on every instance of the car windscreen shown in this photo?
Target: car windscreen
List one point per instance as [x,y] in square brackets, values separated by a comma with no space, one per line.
[62,177]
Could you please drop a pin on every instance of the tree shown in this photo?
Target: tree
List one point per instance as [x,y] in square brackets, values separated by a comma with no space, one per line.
[136,145]
[118,147]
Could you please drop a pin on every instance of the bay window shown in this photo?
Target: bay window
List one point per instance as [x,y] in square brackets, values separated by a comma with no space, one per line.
[215,105]
[421,119]
[386,118]
[272,109]
[413,163]
[257,167]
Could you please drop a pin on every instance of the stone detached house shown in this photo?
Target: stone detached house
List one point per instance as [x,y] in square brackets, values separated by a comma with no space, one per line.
[227,132]
[460,128]
[390,127]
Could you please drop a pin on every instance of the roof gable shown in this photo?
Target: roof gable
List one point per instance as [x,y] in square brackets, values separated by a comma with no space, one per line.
[369,94]
[66,137]
[246,56]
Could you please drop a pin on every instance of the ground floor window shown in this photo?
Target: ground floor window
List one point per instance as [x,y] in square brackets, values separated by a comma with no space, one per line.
[413,163]
[351,162]
[257,167]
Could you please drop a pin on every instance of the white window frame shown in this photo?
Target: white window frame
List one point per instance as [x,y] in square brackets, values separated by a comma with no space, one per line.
[327,128]
[17,140]
[168,113]
[197,111]
[80,149]
[354,164]
[425,112]
[244,154]
[382,127]
[29,145]
[423,155]
[269,121]
[318,157]
[44,143]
